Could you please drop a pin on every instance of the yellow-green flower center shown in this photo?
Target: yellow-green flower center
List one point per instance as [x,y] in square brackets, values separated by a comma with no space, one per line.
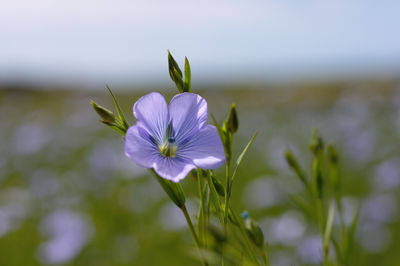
[168,149]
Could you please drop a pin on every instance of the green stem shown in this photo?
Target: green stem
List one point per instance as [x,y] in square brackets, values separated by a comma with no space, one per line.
[201,220]
[321,224]
[246,237]
[227,196]
[264,255]
[194,235]
[343,228]
[227,192]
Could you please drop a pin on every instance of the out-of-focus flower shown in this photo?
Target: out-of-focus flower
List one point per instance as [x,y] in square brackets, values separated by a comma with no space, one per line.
[173,139]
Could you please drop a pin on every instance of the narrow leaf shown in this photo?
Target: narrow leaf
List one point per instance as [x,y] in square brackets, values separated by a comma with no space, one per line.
[303,204]
[241,156]
[218,126]
[178,81]
[338,252]
[124,123]
[351,233]
[117,128]
[215,198]
[328,227]
[188,75]
[173,190]
[223,138]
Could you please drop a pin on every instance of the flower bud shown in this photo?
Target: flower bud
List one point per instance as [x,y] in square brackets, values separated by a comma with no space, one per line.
[294,165]
[103,112]
[333,171]
[175,73]
[218,186]
[316,143]
[231,123]
[253,230]
[333,156]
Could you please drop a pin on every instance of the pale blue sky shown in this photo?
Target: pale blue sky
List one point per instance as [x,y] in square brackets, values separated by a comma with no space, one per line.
[121,42]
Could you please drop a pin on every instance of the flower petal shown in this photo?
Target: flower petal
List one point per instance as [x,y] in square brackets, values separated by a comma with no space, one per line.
[188,113]
[140,147]
[204,149]
[151,113]
[174,169]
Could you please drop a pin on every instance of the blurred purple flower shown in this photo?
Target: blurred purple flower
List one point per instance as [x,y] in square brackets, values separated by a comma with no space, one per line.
[173,139]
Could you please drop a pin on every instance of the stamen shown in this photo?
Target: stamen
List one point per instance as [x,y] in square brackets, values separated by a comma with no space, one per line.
[168,149]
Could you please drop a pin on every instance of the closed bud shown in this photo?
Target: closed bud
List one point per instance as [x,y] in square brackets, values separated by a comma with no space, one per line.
[231,123]
[175,73]
[253,230]
[333,171]
[218,186]
[294,165]
[104,113]
[291,160]
[333,155]
[316,143]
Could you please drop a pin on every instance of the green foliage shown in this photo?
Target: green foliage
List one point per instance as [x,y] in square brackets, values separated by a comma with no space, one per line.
[176,74]
[78,166]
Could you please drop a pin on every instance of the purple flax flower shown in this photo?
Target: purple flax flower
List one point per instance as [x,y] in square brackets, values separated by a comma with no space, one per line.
[173,139]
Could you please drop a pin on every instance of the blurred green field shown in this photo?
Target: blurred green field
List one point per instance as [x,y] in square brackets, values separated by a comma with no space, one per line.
[69,196]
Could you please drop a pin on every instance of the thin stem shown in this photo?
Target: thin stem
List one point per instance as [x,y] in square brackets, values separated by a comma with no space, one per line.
[227,196]
[227,191]
[201,219]
[321,224]
[245,236]
[194,235]
[264,255]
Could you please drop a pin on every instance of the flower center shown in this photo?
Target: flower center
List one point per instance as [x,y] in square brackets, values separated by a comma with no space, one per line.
[168,148]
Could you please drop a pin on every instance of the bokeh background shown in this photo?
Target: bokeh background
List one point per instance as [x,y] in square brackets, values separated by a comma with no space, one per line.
[68,195]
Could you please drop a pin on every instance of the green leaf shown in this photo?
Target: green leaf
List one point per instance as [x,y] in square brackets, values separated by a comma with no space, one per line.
[179,82]
[223,138]
[338,252]
[351,233]
[328,227]
[215,198]
[123,123]
[173,190]
[188,75]
[115,127]
[218,186]
[241,156]
[303,204]
[218,126]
